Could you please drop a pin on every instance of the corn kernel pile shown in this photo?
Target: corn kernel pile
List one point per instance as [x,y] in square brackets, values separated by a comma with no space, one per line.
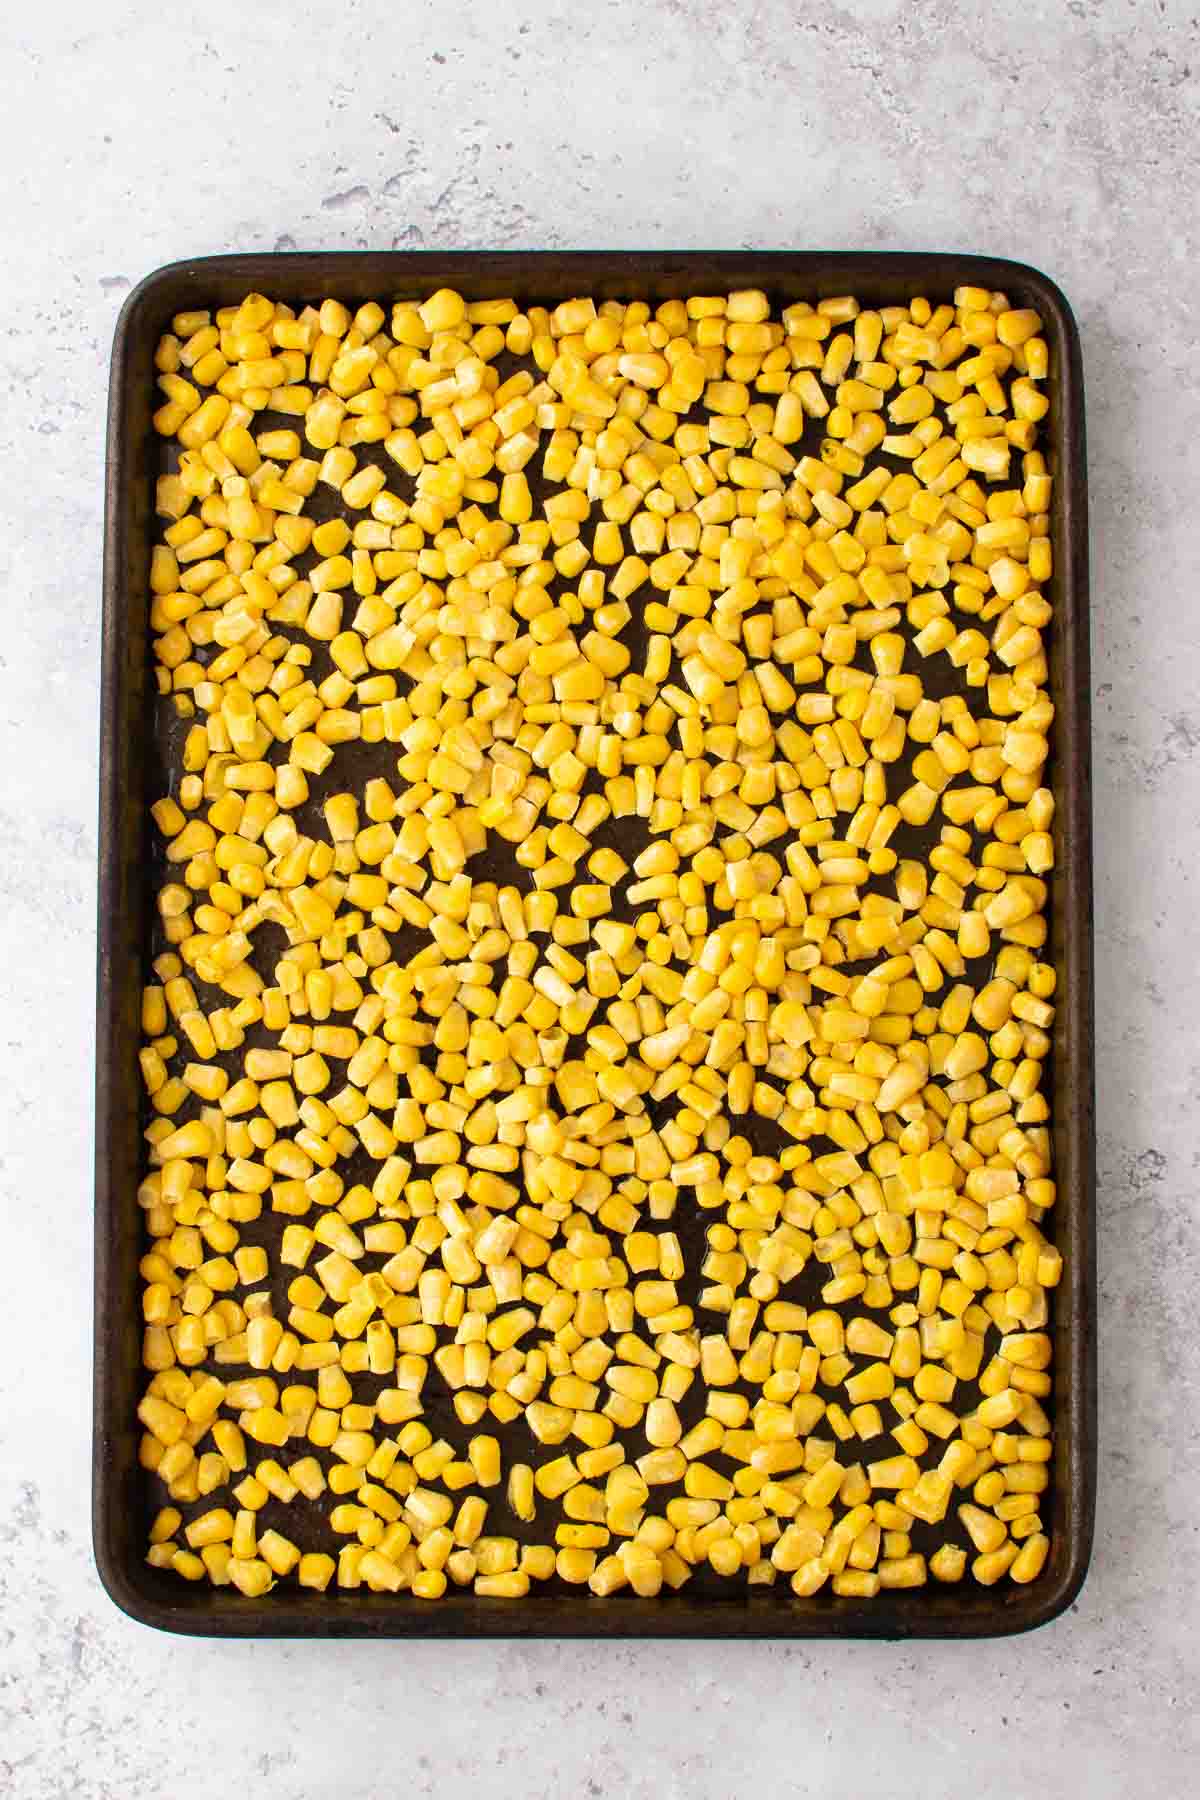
[598,995]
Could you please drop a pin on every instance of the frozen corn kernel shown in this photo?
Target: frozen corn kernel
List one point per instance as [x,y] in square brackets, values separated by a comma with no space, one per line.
[678,955]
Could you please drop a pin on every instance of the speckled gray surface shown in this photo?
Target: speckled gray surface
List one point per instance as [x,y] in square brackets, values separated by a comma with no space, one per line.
[1064,135]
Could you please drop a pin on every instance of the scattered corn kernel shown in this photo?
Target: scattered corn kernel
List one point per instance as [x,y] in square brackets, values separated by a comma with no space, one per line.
[441,1077]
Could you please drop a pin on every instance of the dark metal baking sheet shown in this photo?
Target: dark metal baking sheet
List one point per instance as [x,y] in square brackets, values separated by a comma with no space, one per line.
[128,765]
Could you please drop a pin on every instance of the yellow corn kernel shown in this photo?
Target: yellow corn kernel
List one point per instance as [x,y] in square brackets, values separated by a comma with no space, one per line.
[477,1141]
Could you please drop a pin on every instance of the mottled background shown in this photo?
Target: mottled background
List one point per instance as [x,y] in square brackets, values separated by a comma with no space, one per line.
[132,133]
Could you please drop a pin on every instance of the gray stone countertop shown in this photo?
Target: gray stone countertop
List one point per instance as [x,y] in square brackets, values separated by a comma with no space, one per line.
[134,133]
